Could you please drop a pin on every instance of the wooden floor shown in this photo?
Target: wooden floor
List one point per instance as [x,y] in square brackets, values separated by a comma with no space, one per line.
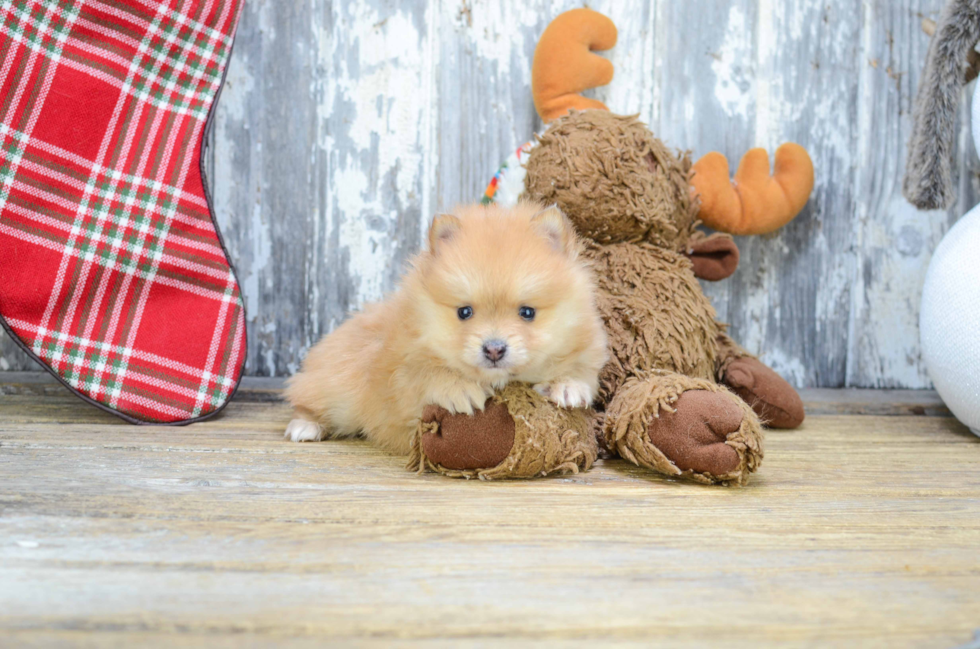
[859,530]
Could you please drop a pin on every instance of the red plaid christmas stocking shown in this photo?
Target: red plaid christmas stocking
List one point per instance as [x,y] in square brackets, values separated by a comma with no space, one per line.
[112,272]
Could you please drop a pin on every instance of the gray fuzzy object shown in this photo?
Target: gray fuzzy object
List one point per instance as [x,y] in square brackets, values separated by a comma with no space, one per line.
[928,176]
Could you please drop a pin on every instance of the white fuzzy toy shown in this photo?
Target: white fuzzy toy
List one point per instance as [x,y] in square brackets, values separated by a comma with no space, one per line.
[949,319]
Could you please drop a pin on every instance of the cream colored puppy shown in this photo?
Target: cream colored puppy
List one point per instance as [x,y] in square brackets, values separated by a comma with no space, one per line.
[500,295]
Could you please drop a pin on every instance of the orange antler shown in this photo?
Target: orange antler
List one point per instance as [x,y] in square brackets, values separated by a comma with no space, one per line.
[754,202]
[564,64]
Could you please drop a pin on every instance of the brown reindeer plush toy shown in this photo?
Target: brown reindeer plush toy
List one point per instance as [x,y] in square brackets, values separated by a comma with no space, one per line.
[678,396]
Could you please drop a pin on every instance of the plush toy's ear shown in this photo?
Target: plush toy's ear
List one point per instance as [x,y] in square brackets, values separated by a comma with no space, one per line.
[555,226]
[443,227]
[715,256]
[928,177]
[754,202]
[564,64]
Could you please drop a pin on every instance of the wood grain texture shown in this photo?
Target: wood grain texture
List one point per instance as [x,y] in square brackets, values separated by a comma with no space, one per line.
[821,401]
[344,126]
[790,300]
[319,167]
[858,531]
[894,241]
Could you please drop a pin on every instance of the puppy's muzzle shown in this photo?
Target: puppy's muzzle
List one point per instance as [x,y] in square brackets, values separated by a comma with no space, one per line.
[494,350]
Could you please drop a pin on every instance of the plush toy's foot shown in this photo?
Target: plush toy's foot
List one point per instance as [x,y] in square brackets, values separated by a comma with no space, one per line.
[693,435]
[461,442]
[680,426]
[771,397]
[518,434]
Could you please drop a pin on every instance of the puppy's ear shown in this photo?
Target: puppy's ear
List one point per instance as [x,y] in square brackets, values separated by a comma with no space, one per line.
[555,226]
[444,227]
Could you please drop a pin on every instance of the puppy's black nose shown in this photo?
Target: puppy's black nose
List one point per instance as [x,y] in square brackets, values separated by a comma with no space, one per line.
[494,350]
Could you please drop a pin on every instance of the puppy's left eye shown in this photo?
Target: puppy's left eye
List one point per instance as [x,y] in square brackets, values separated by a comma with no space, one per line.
[526,312]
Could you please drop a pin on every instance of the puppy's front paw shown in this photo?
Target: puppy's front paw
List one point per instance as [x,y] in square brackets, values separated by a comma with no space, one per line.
[303,430]
[463,399]
[567,394]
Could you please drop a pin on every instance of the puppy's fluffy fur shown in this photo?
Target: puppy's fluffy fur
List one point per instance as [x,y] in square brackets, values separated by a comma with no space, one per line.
[458,328]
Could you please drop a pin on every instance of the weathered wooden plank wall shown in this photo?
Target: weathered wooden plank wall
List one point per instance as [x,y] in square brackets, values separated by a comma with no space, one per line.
[345,125]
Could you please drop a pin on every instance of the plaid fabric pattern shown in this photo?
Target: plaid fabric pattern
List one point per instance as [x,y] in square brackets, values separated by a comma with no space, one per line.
[112,273]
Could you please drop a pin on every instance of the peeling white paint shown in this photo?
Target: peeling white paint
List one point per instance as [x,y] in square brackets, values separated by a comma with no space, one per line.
[239,80]
[430,128]
[733,66]
[791,368]
[766,51]
[254,256]
[891,337]
[892,240]
[383,136]
[756,309]
[771,68]
[261,256]
[634,88]
[493,35]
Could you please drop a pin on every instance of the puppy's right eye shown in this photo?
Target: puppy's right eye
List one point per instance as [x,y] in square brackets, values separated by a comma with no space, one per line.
[464,312]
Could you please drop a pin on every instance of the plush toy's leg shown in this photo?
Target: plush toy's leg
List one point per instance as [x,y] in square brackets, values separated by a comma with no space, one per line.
[678,425]
[518,434]
[771,397]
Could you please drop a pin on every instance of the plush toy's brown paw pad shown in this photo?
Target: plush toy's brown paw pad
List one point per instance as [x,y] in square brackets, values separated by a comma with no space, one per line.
[693,436]
[462,442]
[771,397]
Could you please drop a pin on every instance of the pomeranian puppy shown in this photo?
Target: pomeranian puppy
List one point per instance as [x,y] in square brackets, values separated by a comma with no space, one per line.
[500,295]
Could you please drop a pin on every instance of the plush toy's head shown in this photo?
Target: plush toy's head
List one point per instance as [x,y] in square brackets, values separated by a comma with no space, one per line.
[613,179]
